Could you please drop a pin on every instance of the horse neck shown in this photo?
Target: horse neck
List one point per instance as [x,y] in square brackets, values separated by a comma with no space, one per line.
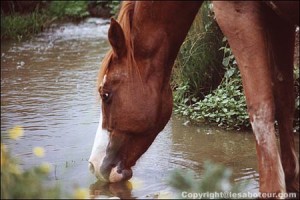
[159,29]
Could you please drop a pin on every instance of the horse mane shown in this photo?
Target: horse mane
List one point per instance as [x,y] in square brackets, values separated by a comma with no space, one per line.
[124,19]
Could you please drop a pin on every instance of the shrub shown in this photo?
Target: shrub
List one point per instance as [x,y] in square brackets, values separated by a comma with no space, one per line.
[71,9]
[215,180]
[200,92]
[226,105]
[197,69]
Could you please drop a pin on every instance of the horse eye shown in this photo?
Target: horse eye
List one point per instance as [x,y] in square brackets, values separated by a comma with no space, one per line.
[105,97]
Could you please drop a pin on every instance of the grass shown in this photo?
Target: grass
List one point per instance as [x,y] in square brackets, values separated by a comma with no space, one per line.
[197,69]
[226,105]
[207,85]
[18,26]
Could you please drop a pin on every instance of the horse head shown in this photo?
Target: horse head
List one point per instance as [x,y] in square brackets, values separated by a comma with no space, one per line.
[134,111]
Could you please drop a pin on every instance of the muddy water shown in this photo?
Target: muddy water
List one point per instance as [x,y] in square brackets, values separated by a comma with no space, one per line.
[48,86]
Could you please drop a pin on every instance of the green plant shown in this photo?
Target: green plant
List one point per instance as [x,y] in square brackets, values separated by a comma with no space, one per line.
[19,26]
[32,183]
[71,9]
[17,183]
[114,6]
[226,105]
[200,92]
[197,69]
[215,180]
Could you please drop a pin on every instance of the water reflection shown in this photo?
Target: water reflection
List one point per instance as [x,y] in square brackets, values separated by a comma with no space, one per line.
[48,86]
[121,190]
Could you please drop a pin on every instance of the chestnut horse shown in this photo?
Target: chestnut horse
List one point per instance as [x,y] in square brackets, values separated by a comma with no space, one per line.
[134,82]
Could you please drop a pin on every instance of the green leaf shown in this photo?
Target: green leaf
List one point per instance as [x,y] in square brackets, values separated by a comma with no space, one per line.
[225,61]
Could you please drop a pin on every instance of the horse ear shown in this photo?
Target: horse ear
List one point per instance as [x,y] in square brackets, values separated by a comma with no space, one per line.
[116,38]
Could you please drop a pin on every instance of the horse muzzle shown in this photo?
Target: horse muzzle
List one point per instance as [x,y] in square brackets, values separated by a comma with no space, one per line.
[106,167]
[110,174]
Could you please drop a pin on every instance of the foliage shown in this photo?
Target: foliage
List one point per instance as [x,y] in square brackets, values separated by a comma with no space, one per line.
[18,26]
[198,68]
[17,183]
[114,6]
[215,179]
[226,105]
[195,78]
[198,93]
[71,9]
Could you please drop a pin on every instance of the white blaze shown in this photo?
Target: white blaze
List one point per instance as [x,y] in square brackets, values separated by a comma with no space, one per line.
[99,149]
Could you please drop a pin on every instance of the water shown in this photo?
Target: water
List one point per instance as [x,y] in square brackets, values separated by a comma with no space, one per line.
[48,86]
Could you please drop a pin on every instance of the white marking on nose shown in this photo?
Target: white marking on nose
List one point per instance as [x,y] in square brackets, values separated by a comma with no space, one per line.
[99,149]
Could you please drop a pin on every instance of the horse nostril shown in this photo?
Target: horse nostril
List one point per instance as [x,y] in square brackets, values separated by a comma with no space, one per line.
[91,167]
[119,171]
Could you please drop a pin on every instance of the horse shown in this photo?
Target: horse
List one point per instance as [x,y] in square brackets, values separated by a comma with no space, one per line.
[134,82]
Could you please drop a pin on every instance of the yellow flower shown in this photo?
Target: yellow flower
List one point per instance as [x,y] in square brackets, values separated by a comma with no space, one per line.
[39,151]
[16,132]
[135,183]
[46,167]
[81,193]
[128,185]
